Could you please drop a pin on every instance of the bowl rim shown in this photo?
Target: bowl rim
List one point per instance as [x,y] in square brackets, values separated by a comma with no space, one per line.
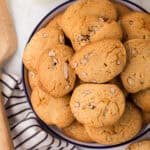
[46,127]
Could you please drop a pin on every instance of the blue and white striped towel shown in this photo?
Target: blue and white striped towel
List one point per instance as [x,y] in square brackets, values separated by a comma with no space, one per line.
[25,130]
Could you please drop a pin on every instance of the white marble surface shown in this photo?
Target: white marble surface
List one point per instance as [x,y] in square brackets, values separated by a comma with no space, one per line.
[27,13]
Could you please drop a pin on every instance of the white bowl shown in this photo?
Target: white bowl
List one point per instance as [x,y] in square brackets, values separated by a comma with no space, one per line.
[52,129]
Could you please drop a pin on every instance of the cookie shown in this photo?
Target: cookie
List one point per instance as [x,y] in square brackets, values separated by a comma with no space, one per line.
[33,79]
[97,104]
[122,10]
[100,61]
[136,25]
[41,40]
[142,100]
[77,131]
[125,129]
[135,77]
[146,117]
[55,75]
[79,9]
[53,111]
[89,29]
[141,145]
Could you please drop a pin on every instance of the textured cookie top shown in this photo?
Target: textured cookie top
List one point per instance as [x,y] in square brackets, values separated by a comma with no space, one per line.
[93,28]
[136,25]
[53,111]
[97,104]
[142,99]
[100,61]
[125,129]
[77,131]
[103,8]
[41,40]
[56,77]
[141,145]
[136,47]
[135,76]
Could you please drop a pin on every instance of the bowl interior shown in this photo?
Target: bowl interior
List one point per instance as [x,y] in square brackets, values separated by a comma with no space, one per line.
[53,129]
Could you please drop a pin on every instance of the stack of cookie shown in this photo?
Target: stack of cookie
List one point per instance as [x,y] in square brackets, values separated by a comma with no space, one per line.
[86,66]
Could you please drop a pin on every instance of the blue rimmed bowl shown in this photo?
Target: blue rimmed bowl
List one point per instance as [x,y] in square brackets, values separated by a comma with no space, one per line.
[52,129]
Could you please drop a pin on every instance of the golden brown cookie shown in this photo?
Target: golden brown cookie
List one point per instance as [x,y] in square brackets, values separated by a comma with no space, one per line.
[41,40]
[122,9]
[56,77]
[136,25]
[77,131]
[33,79]
[142,100]
[53,111]
[97,104]
[79,9]
[141,145]
[89,29]
[146,117]
[125,129]
[135,76]
[99,62]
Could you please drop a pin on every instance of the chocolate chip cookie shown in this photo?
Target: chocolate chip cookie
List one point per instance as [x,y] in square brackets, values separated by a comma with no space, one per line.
[55,75]
[53,111]
[100,61]
[135,77]
[125,129]
[142,100]
[97,104]
[136,25]
[89,29]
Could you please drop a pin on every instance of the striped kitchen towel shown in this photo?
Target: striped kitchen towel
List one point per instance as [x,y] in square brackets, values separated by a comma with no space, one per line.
[25,129]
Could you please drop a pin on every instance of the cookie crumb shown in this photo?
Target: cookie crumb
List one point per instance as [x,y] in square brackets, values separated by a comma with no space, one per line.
[118,62]
[77,104]
[61,39]
[51,53]
[101,19]
[67,86]
[66,70]
[45,35]
[131,81]
[83,74]
[75,64]
[55,61]
[133,52]
[109,139]
[91,106]
[32,74]
[84,61]
[83,39]
[94,81]
[112,90]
